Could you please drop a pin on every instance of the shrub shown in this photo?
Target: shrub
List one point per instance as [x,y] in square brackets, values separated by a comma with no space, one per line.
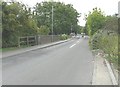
[107,43]
[64,37]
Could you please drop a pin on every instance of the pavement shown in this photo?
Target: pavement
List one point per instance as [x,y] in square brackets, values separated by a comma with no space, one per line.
[23,50]
[103,72]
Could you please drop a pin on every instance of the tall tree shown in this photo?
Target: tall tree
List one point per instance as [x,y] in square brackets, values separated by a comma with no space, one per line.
[64,16]
[95,20]
[17,21]
[9,23]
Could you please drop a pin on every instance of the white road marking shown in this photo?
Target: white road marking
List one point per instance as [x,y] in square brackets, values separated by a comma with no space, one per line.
[78,41]
[72,46]
[75,44]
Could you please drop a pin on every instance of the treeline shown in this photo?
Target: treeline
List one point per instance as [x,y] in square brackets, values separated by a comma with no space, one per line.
[103,31]
[97,20]
[20,20]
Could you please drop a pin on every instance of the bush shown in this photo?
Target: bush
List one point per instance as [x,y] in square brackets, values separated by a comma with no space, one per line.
[64,37]
[95,41]
[107,43]
[43,30]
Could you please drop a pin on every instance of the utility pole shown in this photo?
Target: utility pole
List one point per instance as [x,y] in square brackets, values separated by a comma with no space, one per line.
[52,23]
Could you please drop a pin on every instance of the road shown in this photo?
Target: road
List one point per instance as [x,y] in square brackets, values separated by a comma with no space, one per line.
[69,63]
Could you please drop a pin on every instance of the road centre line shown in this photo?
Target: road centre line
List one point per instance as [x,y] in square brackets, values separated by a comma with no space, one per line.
[78,41]
[72,46]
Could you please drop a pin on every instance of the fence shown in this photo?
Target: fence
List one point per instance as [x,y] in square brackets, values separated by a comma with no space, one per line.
[36,40]
[28,40]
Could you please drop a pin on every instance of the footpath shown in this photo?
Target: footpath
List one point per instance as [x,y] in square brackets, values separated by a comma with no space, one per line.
[103,72]
[22,50]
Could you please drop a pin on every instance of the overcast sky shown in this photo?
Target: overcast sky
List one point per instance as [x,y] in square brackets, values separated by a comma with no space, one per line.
[110,7]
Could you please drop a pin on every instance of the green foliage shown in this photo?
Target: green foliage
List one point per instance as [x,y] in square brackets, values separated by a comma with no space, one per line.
[106,39]
[78,29]
[43,30]
[9,23]
[64,37]
[64,16]
[20,20]
[95,41]
[84,30]
[107,43]
[17,21]
[95,21]
[111,23]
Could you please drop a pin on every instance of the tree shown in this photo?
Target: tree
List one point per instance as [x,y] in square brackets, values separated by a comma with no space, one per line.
[95,21]
[79,28]
[9,23]
[85,29]
[106,39]
[43,30]
[111,23]
[65,16]
[17,21]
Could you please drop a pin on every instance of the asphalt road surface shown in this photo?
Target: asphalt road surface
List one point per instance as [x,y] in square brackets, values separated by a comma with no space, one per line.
[69,63]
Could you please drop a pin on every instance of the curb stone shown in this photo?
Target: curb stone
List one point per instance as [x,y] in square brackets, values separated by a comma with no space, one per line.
[37,47]
[109,69]
[112,76]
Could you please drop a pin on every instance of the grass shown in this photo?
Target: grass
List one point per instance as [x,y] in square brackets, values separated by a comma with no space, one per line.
[11,48]
[107,43]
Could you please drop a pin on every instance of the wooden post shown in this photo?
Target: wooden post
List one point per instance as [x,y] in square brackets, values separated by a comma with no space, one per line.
[36,40]
[27,41]
[18,41]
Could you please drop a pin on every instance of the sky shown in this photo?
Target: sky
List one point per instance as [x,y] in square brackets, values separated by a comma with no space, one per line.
[109,7]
